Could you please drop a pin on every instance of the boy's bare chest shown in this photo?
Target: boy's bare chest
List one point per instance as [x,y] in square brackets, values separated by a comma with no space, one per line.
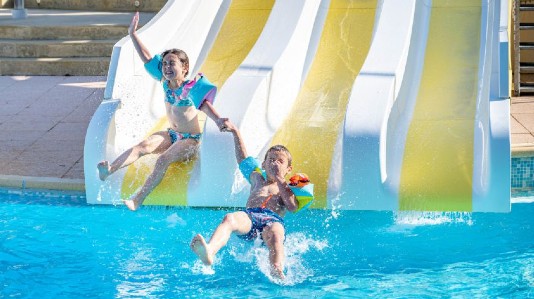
[261,192]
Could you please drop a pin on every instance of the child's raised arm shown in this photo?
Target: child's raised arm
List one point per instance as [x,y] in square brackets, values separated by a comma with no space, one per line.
[240,150]
[143,52]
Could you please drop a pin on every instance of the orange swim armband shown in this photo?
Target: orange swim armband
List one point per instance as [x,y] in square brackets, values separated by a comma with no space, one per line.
[302,188]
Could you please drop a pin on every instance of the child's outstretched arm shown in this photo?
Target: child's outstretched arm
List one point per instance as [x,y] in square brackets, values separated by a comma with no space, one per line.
[143,52]
[210,111]
[240,150]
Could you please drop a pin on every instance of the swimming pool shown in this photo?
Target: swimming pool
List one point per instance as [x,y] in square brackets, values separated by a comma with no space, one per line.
[53,245]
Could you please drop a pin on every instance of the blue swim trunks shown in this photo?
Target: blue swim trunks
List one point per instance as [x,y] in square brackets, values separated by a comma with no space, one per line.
[260,219]
[175,136]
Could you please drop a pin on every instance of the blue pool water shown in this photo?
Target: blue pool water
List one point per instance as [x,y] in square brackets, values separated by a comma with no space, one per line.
[55,246]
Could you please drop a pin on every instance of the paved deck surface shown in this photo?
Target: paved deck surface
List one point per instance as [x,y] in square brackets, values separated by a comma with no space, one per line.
[522,124]
[43,119]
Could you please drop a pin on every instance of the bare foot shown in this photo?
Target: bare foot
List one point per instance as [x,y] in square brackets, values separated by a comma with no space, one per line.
[277,272]
[103,170]
[200,248]
[131,204]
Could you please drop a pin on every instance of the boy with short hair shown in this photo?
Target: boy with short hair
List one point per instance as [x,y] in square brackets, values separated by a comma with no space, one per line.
[270,197]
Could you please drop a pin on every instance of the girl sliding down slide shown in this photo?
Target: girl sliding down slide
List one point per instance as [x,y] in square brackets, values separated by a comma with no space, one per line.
[183,101]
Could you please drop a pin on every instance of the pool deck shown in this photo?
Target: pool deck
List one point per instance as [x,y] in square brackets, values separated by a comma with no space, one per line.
[43,120]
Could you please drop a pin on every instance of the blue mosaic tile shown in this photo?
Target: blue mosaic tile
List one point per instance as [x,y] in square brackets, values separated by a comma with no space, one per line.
[522,175]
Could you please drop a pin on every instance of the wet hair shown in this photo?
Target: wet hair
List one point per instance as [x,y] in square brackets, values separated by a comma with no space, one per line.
[280,148]
[182,56]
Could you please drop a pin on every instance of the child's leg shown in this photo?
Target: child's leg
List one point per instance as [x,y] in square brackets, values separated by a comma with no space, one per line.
[273,236]
[180,151]
[238,222]
[155,143]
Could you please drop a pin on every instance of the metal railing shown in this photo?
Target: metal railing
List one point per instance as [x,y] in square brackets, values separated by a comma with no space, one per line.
[517,66]
[18,12]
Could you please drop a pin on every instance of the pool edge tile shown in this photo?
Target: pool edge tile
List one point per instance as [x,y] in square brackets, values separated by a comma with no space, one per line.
[41,183]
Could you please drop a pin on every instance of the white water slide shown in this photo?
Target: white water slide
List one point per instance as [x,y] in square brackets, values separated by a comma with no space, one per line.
[385,104]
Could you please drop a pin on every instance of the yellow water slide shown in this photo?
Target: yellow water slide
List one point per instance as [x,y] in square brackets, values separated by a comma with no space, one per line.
[437,166]
[239,31]
[312,127]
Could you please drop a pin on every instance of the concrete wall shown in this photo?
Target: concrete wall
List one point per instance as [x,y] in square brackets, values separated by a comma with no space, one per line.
[97,5]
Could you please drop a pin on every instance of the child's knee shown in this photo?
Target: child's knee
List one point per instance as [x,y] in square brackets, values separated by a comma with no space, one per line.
[164,161]
[142,148]
[229,219]
[235,220]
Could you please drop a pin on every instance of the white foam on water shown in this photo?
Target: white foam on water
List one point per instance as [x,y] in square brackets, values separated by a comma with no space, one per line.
[415,218]
[243,253]
[528,276]
[174,219]
[525,199]
[296,270]
[199,268]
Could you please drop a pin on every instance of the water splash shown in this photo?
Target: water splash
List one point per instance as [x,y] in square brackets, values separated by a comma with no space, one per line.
[296,245]
[415,218]
[239,186]
[528,276]
[523,199]
[199,268]
[107,190]
[241,254]
[174,219]
[335,211]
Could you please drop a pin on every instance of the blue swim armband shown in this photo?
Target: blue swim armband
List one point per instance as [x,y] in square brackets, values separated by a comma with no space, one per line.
[304,196]
[201,90]
[250,165]
[154,66]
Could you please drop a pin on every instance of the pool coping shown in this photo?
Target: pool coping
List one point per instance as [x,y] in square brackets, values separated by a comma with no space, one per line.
[522,150]
[51,183]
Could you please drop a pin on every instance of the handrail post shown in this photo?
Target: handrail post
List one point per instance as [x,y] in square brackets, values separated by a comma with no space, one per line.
[517,67]
[18,12]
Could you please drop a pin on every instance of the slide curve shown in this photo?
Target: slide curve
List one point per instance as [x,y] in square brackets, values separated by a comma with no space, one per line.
[386,105]
[431,125]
